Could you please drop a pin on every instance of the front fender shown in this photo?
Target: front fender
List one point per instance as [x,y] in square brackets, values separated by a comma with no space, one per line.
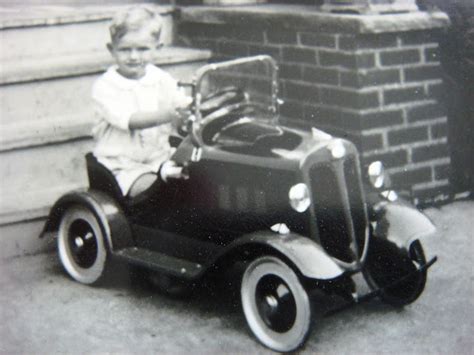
[308,257]
[113,222]
[401,223]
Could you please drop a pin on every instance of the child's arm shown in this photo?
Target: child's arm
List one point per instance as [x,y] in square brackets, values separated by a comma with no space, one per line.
[140,120]
[168,113]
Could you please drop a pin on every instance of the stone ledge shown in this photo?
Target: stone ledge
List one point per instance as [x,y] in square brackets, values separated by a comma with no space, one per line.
[13,72]
[304,17]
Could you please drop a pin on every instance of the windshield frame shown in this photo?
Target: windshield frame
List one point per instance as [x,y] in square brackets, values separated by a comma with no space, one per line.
[205,70]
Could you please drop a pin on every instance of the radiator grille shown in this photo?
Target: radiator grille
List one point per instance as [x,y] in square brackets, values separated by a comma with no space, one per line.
[357,208]
[333,217]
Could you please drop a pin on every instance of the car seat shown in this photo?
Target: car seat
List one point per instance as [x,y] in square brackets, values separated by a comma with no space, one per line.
[102,179]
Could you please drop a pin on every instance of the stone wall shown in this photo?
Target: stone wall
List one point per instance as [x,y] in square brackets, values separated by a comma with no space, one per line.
[373,79]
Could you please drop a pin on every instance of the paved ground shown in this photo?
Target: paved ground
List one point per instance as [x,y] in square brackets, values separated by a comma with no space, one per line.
[43,311]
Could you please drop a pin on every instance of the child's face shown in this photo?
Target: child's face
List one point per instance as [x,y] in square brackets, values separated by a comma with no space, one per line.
[133,52]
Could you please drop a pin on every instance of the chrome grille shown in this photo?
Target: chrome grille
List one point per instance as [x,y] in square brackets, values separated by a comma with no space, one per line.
[339,223]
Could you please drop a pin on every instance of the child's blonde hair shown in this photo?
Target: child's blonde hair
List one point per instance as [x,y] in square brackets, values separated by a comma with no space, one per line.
[135,19]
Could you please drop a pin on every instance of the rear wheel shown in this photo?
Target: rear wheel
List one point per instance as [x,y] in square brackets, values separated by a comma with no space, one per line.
[386,264]
[81,245]
[275,304]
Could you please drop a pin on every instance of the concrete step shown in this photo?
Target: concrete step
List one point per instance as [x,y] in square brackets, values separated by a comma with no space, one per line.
[30,89]
[45,120]
[30,170]
[49,57]
[44,139]
[35,31]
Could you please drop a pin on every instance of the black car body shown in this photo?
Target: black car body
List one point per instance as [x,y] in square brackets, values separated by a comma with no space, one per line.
[293,205]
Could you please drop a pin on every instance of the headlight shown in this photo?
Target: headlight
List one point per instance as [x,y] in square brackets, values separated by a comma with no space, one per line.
[299,197]
[376,174]
[337,149]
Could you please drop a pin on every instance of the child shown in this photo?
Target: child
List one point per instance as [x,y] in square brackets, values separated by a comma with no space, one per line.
[136,103]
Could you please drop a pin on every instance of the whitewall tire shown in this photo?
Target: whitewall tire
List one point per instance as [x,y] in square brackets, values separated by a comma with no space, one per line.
[81,245]
[275,304]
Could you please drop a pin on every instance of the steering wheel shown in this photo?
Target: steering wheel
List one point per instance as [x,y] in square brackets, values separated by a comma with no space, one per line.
[223,117]
[216,100]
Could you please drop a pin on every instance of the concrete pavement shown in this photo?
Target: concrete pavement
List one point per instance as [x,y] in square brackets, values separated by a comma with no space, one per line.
[43,311]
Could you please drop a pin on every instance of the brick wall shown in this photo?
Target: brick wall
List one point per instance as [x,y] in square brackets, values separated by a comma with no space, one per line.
[379,90]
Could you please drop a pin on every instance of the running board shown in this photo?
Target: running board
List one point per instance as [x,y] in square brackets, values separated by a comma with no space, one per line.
[160,262]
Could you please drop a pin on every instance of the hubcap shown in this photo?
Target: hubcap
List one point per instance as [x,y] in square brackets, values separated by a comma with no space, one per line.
[82,243]
[276,304]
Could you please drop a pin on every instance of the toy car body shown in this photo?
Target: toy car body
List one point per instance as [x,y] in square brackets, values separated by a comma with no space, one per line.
[291,204]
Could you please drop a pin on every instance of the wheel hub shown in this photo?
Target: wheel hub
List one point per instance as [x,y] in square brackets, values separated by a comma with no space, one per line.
[82,244]
[79,242]
[276,304]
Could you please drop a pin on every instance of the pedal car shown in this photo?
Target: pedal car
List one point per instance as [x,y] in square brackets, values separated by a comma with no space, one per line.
[293,206]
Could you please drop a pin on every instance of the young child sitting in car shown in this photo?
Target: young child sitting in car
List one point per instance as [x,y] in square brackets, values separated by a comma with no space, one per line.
[136,103]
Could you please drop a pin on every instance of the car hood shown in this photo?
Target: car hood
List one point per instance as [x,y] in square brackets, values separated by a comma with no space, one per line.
[253,137]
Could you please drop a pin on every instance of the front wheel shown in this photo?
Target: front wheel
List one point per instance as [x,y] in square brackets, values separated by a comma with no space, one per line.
[81,245]
[275,304]
[395,272]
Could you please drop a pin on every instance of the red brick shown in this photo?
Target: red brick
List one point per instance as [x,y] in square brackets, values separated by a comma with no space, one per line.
[397,57]
[205,30]
[291,109]
[425,112]
[426,72]
[349,99]
[439,130]
[364,61]
[281,37]
[442,172]
[245,34]
[371,142]
[263,86]
[321,75]
[318,40]
[368,41]
[411,177]
[301,92]
[437,91]
[407,135]
[350,61]
[364,121]
[370,78]
[390,159]
[394,96]
[300,55]
[432,54]
[323,116]
[335,59]
[381,119]
[418,37]
[233,48]
[290,71]
[273,51]
[430,152]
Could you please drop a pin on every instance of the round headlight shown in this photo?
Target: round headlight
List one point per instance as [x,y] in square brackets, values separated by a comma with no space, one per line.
[376,174]
[299,197]
[337,149]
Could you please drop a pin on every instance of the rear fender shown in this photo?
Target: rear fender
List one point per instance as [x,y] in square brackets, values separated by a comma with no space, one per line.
[307,256]
[113,222]
[401,223]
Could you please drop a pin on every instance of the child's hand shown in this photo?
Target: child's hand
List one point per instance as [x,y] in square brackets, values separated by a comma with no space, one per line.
[181,121]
